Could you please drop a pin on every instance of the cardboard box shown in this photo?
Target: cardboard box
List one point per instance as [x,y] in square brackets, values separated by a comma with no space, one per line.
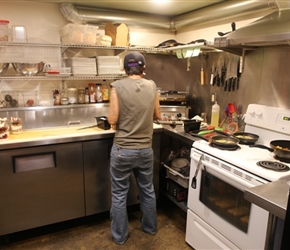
[118,33]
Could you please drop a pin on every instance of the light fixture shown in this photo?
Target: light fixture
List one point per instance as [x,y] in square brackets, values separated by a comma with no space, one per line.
[186,51]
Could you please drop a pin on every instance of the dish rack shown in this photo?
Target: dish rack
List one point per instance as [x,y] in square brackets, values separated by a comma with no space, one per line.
[176,176]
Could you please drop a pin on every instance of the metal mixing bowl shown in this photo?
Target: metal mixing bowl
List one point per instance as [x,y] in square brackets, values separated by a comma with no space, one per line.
[28,69]
[3,68]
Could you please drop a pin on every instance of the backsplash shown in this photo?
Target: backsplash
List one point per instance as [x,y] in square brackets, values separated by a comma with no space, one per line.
[57,116]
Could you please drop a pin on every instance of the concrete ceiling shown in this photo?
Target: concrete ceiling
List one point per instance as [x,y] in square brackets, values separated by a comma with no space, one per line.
[169,8]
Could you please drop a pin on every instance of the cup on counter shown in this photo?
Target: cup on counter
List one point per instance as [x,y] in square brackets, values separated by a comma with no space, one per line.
[15,125]
[4,129]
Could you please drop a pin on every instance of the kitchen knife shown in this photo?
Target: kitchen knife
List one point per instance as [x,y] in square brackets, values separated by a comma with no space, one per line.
[87,127]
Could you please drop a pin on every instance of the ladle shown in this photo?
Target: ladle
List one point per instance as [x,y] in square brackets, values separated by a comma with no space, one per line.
[233,24]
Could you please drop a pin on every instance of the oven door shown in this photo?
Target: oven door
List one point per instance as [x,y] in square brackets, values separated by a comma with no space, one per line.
[218,215]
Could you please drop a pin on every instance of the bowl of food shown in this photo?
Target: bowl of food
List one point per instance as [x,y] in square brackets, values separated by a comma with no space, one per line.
[3,68]
[28,69]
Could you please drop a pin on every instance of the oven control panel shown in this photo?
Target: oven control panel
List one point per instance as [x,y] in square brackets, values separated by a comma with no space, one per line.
[266,117]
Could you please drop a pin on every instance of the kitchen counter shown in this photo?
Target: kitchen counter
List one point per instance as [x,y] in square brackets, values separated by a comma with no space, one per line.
[179,133]
[48,136]
[272,197]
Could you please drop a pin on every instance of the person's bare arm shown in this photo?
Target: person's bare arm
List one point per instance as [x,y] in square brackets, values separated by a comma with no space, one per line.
[157,115]
[114,108]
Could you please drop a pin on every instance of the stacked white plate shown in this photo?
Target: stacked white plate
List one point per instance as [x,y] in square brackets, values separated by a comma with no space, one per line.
[82,66]
[108,65]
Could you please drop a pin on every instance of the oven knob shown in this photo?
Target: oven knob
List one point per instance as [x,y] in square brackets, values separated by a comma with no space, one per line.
[252,113]
[259,114]
[179,115]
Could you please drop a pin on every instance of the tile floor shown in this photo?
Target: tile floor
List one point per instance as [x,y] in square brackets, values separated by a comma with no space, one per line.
[94,233]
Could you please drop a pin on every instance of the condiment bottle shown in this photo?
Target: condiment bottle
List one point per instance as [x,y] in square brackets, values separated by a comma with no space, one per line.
[92,92]
[99,94]
[215,114]
[105,91]
[87,96]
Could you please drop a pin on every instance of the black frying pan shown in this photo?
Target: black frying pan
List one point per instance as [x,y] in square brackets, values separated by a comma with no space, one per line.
[220,141]
[243,137]
[246,138]
[281,149]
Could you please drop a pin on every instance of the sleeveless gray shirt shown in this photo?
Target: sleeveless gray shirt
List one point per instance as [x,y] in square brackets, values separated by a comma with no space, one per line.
[136,109]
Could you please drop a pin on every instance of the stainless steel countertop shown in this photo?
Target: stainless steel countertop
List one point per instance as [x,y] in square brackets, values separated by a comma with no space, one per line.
[272,197]
[39,137]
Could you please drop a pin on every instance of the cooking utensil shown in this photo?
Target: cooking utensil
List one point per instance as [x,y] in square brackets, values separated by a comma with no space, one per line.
[281,149]
[233,24]
[220,141]
[231,109]
[243,137]
[246,138]
[93,126]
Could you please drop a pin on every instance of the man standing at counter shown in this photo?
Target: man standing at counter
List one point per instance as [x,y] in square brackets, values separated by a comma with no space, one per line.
[134,104]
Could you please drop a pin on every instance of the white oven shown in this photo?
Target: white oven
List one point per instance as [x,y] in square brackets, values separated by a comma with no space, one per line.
[218,216]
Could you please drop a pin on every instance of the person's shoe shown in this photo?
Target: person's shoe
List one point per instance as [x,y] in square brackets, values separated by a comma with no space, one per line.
[122,242]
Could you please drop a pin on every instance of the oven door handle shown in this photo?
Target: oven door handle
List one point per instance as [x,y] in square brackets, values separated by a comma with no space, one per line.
[193,181]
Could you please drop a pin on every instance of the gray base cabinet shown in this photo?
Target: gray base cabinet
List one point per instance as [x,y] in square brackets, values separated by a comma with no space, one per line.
[97,175]
[43,185]
[40,186]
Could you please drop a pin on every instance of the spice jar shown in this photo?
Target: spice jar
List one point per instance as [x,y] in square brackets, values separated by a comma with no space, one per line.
[81,96]
[99,94]
[64,101]
[72,94]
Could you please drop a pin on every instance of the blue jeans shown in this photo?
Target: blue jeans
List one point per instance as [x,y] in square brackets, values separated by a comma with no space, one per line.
[123,163]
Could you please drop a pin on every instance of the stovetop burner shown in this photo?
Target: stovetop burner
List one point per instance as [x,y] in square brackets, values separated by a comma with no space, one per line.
[273,165]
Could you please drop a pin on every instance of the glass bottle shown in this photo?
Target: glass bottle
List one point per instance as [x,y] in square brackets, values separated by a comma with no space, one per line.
[105,91]
[99,94]
[81,96]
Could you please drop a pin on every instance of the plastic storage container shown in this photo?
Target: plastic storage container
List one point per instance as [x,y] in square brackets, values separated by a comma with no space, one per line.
[30,98]
[79,34]
[11,99]
[215,115]
[19,33]
[4,30]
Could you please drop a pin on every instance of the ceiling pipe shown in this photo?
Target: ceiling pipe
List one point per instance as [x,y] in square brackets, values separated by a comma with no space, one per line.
[222,11]
[81,14]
